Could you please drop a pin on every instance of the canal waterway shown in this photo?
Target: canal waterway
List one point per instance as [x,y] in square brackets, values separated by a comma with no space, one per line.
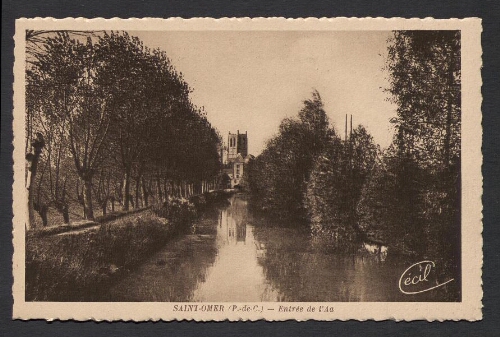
[230,255]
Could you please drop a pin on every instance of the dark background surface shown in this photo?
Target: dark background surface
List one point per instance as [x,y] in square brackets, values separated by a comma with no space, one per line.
[487,10]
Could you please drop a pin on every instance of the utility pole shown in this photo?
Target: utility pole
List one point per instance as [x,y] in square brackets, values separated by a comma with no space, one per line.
[351,180]
[350,146]
[350,135]
[345,138]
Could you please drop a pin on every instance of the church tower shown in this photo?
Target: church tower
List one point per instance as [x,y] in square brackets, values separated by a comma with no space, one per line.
[237,158]
[237,143]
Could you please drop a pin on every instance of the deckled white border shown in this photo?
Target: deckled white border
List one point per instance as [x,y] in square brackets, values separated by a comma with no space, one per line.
[468,309]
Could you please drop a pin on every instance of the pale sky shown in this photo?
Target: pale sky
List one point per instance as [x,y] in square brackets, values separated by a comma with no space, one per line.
[251,80]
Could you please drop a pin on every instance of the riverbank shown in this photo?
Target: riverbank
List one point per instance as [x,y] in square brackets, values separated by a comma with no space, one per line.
[79,266]
[83,224]
[232,256]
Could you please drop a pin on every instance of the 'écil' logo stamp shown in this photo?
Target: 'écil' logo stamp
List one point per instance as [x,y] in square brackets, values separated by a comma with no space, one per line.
[415,279]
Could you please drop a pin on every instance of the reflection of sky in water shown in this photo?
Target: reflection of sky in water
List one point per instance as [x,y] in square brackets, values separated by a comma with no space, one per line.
[227,259]
[235,274]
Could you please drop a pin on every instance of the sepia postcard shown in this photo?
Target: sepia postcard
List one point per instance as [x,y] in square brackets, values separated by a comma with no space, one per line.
[247,169]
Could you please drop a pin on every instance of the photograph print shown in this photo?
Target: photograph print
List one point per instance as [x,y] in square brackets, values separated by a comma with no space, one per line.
[241,166]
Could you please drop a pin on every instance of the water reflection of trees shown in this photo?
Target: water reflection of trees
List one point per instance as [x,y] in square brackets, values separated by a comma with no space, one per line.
[294,267]
[301,272]
[173,274]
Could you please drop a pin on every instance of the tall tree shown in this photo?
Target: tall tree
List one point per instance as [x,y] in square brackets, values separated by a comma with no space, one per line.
[335,185]
[144,88]
[417,183]
[287,161]
[70,98]
[425,84]
[118,111]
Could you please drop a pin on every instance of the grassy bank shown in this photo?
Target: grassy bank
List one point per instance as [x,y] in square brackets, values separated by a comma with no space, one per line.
[81,266]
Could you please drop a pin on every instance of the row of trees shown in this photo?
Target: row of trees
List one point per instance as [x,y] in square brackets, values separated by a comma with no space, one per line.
[109,119]
[408,195]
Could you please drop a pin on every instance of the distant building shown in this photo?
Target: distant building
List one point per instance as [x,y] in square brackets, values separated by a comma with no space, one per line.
[233,229]
[236,157]
[237,144]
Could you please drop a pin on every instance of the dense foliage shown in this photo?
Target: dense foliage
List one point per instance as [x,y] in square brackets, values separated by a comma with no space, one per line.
[406,196]
[308,173]
[413,196]
[110,120]
[278,177]
[334,188]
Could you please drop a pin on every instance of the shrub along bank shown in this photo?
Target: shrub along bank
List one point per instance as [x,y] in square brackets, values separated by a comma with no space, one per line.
[81,266]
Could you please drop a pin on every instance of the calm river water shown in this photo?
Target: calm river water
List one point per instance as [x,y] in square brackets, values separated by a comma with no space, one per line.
[232,256]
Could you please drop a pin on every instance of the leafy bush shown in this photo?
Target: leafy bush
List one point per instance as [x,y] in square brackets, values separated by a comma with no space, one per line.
[179,211]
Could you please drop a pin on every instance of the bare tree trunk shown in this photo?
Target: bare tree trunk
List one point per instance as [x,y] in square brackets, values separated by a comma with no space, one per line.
[119,193]
[145,193]
[79,195]
[126,190]
[87,199]
[64,208]
[65,214]
[104,206]
[43,214]
[165,188]
[33,159]
[137,187]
